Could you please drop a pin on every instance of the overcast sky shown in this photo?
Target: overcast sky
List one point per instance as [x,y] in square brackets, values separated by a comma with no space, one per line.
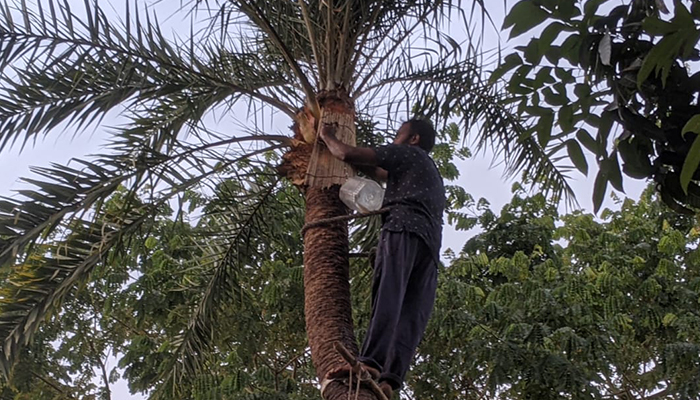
[478,177]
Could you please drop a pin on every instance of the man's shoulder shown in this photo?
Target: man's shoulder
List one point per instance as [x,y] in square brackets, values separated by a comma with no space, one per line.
[404,149]
[404,156]
[393,156]
[396,147]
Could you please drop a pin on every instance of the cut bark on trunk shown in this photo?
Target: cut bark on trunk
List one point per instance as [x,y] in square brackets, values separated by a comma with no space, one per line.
[325,170]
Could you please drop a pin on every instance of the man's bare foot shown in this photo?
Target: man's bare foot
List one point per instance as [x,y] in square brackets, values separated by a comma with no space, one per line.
[345,370]
[386,389]
[373,372]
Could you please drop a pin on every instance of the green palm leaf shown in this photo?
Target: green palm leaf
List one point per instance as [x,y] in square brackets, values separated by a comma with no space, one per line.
[451,88]
[45,277]
[72,190]
[77,243]
[245,221]
[67,70]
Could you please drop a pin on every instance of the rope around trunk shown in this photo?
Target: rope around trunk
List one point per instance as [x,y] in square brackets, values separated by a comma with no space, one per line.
[355,365]
[342,218]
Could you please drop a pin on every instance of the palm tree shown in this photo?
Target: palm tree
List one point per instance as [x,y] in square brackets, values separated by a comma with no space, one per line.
[309,61]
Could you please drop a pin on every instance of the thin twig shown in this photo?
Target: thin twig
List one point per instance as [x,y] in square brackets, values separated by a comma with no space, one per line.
[329,43]
[52,385]
[342,51]
[312,40]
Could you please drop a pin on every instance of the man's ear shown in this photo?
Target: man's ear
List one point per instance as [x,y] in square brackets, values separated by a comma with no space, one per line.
[414,140]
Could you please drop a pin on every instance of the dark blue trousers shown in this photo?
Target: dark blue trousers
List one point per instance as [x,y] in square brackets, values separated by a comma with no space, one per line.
[403,294]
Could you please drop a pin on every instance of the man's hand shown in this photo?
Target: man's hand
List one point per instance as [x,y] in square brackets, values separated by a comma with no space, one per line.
[351,154]
[328,133]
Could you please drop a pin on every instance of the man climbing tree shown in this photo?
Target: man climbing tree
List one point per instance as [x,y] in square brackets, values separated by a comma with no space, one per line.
[405,270]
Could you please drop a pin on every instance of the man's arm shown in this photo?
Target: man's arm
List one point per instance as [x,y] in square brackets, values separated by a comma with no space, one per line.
[376,173]
[358,156]
[363,158]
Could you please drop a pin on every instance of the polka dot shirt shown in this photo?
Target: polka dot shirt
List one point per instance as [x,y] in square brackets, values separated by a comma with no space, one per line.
[416,192]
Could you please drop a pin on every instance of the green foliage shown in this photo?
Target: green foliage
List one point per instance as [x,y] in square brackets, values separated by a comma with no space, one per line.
[208,307]
[190,293]
[549,307]
[606,67]
[534,306]
[69,67]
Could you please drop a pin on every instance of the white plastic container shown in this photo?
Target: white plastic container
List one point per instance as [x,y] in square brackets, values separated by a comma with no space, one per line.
[362,195]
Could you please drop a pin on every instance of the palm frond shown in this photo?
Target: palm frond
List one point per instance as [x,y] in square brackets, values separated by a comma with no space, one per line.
[337,44]
[67,192]
[446,86]
[247,226]
[64,191]
[58,68]
[62,207]
[259,15]
[41,281]
[385,46]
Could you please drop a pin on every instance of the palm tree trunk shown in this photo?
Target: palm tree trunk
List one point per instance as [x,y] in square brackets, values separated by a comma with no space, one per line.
[327,277]
[327,287]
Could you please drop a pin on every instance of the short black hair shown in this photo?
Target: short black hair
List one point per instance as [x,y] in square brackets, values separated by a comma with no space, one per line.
[425,131]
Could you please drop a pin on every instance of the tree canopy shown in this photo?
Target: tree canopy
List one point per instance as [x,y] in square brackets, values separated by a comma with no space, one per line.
[537,305]
[619,80]
[542,306]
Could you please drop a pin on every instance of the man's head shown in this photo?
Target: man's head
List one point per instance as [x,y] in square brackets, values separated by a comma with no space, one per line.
[416,132]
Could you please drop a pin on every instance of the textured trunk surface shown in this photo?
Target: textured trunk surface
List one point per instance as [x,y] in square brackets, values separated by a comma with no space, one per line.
[324,170]
[327,274]
[326,286]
